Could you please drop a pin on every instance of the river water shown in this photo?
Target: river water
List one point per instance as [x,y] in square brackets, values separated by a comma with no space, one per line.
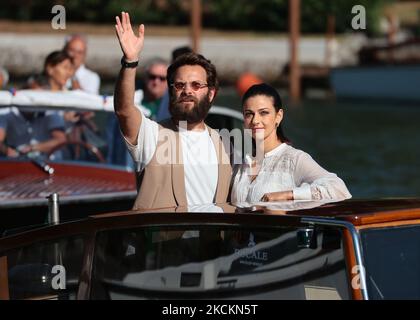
[374,147]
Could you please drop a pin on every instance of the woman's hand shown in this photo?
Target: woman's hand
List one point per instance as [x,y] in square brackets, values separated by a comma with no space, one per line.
[277,196]
[131,45]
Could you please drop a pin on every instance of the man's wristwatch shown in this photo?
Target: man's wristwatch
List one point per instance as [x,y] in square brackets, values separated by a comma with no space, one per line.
[126,64]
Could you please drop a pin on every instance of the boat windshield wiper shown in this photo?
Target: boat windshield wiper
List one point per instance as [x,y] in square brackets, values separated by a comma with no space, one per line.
[376,288]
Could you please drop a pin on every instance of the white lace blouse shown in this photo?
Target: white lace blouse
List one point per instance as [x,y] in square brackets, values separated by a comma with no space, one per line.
[288,169]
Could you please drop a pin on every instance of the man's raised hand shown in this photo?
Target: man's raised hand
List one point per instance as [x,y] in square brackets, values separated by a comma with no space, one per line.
[131,45]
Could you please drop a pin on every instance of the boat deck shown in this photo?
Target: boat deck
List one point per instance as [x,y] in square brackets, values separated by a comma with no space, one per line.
[23,183]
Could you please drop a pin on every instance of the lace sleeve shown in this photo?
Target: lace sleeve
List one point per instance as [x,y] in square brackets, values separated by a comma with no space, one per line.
[316,183]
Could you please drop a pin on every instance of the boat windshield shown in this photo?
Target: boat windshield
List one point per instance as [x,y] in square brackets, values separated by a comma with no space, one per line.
[218,261]
[392,262]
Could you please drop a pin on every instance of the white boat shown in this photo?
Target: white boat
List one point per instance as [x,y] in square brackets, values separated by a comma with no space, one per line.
[62,100]
[387,72]
[396,82]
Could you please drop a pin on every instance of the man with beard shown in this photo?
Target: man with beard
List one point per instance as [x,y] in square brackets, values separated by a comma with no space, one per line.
[180,162]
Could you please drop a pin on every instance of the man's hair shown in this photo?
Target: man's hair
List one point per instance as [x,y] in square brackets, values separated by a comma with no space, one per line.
[74,36]
[180,51]
[55,58]
[193,59]
[154,61]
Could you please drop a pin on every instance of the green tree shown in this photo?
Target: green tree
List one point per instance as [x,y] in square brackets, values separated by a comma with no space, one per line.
[256,15]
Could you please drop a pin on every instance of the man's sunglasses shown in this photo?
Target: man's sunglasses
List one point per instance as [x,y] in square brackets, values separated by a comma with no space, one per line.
[152,76]
[195,85]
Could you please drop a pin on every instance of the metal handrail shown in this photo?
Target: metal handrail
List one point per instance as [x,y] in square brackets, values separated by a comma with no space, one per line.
[356,245]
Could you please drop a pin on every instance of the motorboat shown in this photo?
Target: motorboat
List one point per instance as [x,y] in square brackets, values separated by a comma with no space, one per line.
[386,72]
[83,187]
[352,249]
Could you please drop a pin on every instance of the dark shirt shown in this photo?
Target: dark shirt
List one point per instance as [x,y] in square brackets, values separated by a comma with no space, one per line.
[22,131]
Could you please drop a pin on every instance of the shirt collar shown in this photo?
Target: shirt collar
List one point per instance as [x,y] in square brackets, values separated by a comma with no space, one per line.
[276,150]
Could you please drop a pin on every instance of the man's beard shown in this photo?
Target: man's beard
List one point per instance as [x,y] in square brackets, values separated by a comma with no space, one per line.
[193,114]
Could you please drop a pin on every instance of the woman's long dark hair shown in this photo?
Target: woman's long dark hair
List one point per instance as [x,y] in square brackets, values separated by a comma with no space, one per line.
[264,89]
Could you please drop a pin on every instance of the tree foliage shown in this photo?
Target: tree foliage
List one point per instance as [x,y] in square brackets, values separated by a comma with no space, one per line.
[256,15]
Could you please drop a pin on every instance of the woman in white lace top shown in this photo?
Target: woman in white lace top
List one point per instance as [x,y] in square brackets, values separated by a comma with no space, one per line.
[283,172]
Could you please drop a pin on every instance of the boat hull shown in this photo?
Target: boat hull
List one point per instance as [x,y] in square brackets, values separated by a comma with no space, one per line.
[377,82]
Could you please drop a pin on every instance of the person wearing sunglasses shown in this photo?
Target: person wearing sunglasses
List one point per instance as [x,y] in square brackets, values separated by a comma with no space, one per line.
[155,85]
[163,112]
[181,161]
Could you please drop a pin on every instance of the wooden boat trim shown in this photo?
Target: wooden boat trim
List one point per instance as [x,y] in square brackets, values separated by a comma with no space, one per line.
[351,263]
[355,245]
[389,224]
[4,279]
[127,220]
[383,217]
[23,184]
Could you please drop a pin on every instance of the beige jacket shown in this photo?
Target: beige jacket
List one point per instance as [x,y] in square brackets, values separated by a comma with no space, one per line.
[163,184]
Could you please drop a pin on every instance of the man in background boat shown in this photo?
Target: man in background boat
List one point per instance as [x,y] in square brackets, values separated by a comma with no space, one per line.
[84,78]
[155,85]
[182,161]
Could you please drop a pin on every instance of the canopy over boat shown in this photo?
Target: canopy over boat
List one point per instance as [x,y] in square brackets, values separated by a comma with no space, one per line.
[74,100]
